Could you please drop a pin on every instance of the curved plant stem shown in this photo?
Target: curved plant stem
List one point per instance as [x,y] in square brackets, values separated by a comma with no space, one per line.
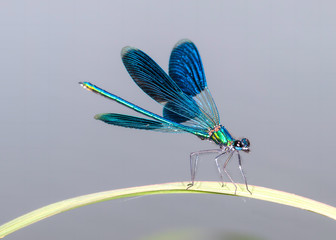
[261,193]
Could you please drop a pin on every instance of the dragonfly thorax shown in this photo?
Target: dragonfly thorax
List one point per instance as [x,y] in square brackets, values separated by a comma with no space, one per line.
[221,136]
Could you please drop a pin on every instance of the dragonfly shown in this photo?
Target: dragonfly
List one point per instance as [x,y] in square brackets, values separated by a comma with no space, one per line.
[187,104]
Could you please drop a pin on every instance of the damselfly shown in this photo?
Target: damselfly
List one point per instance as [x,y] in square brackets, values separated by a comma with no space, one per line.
[187,103]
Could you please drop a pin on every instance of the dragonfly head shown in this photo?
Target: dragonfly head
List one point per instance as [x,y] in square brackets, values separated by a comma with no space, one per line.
[243,144]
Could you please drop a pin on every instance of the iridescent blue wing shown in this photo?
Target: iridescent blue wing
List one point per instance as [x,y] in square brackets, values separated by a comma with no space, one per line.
[178,106]
[136,122]
[186,69]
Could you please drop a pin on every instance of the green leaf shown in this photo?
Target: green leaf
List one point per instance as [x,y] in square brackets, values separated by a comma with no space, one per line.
[261,193]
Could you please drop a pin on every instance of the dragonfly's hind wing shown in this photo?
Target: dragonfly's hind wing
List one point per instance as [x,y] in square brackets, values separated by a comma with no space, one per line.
[136,122]
[186,69]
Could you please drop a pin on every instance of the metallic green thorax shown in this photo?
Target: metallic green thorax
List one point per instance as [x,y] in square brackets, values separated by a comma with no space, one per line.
[221,136]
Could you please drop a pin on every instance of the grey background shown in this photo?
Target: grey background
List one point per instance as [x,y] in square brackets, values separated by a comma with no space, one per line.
[269,64]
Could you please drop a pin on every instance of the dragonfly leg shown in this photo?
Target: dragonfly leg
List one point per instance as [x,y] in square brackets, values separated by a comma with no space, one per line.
[194,157]
[219,168]
[193,167]
[226,172]
[242,173]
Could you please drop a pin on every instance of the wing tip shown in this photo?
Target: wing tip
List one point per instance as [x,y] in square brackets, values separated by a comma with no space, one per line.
[98,116]
[126,50]
[182,41]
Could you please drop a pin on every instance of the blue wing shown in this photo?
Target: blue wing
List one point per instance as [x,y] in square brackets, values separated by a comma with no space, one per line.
[136,122]
[178,106]
[186,69]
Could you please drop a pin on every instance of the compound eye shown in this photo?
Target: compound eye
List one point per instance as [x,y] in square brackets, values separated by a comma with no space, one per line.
[237,144]
[245,142]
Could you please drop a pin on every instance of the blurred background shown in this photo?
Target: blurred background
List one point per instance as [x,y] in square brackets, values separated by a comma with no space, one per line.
[270,66]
